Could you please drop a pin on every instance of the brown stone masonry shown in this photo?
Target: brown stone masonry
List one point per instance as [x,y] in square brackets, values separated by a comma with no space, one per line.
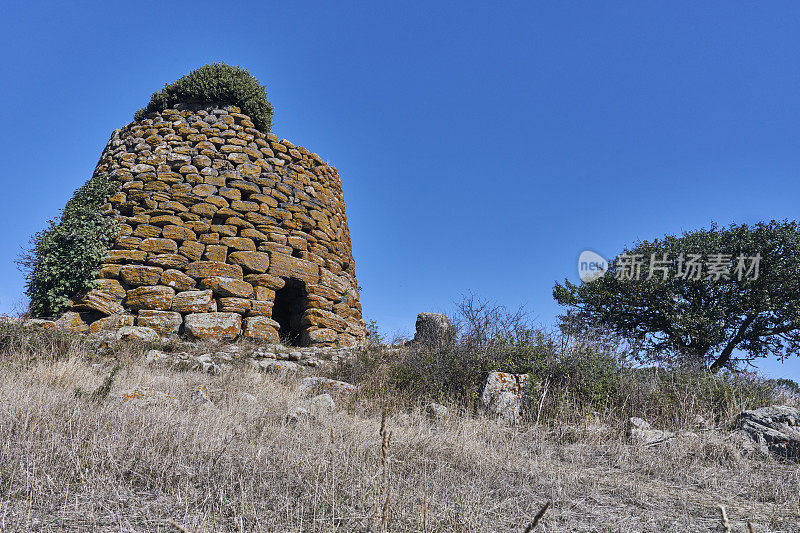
[225,231]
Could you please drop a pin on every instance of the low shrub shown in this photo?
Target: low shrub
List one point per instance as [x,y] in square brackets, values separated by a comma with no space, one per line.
[216,84]
[62,260]
[572,377]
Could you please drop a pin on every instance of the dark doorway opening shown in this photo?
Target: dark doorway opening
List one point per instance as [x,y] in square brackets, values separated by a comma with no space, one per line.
[288,309]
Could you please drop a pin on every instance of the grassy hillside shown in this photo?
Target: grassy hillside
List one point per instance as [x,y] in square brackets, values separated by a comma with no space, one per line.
[75,457]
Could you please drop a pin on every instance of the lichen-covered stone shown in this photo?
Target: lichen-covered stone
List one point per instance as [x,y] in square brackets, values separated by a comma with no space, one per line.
[209,269]
[227,287]
[504,395]
[72,321]
[177,280]
[156,297]
[162,322]
[138,275]
[137,333]
[112,322]
[213,325]
[265,280]
[255,262]
[233,305]
[261,328]
[99,300]
[194,302]
[286,266]
[159,246]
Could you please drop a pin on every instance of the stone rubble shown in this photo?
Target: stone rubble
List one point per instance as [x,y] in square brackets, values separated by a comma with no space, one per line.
[772,430]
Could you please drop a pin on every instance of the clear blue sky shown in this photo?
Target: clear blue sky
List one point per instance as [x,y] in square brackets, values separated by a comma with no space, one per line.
[481,145]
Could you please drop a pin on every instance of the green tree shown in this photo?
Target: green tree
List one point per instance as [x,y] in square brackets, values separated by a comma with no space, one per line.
[745,295]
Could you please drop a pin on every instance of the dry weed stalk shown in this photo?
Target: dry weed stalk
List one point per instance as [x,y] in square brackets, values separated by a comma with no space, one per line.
[724,518]
[385,492]
[538,517]
[176,525]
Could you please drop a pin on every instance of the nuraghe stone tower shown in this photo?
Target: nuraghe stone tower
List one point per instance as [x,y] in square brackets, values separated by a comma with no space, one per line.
[224,231]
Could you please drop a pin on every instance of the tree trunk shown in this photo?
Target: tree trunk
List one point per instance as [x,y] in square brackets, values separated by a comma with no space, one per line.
[725,356]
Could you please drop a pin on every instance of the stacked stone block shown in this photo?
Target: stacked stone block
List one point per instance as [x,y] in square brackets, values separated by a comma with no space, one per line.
[215,219]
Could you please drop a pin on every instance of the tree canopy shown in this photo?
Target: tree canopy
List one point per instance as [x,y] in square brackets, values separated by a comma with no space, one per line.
[699,296]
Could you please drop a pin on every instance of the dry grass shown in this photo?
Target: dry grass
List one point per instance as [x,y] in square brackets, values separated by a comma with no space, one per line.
[77,462]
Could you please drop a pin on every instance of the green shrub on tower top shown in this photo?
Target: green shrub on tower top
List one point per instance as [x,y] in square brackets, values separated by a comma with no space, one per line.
[216,84]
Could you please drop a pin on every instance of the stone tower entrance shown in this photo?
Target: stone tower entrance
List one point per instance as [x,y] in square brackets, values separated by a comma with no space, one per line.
[290,304]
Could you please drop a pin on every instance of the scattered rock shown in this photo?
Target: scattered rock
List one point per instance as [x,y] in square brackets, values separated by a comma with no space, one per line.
[640,432]
[137,333]
[200,395]
[247,397]
[156,356]
[316,384]
[278,367]
[504,394]
[436,411]
[774,429]
[700,422]
[146,396]
[323,402]
[315,409]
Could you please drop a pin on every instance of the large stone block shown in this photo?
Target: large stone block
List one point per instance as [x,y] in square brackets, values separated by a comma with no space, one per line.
[72,321]
[261,328]
[110,286]
[178,233]
[233,305]
[213,325]
[101,301]
[209,269]
[260,308]
[167,260]
[433,328]
[504,395]
[265,280]
[194,302]
[319,336]
[162,322]
[228,287]
[150,297]
[159,246]
[112,322]
[125,256]
[324,319]
[238,243]
[255,262]
[286,266]
[138,275]
[177,280]
[774,429]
